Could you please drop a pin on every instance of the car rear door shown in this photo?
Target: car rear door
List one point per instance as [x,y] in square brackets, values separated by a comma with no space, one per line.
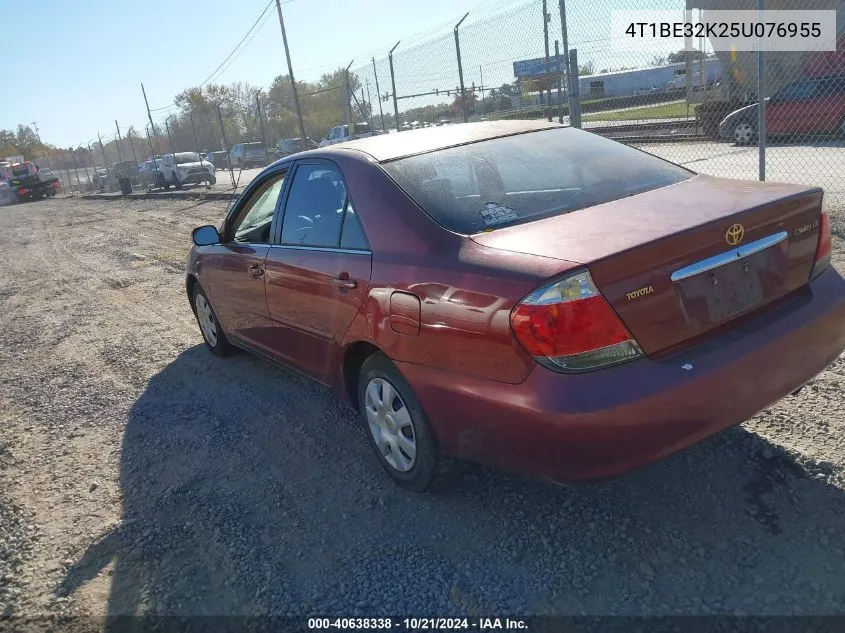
[317,270]
[826,110]
[236,269]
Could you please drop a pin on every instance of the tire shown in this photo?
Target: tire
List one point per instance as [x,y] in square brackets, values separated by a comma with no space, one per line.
[176,183]
[212,181]
[212,333]
[744,132]
[406,448]
[240,164]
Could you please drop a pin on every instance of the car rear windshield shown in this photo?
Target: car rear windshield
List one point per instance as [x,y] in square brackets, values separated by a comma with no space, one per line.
[526,177]
[187,157]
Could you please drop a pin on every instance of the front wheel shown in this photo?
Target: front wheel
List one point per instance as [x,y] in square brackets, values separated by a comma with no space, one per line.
[397,428]
[212,333]
[744,132]
[212,181]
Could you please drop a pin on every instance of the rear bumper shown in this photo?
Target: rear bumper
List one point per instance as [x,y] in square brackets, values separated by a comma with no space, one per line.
[590,426]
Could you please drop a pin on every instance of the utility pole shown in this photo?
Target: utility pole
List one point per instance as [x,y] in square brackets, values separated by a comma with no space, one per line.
[119,152]
[393,85]
[290,73]
[378,94]
[150,117]
[460,67]
[38,136]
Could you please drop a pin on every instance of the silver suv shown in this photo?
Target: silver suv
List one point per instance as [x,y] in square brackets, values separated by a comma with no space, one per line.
[246,155]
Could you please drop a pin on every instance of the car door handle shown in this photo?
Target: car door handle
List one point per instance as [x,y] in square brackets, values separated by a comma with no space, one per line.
[344,282]
[256,270]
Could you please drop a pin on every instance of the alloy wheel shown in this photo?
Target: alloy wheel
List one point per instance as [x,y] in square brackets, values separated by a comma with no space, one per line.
[391,425]
[206,320]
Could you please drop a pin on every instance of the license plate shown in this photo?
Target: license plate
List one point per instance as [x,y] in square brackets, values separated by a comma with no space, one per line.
[728,291]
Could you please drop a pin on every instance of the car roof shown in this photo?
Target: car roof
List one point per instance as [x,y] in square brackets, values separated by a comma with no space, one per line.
[386,147]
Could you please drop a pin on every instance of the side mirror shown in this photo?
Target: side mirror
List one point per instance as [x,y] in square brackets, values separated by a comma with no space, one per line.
[205,235]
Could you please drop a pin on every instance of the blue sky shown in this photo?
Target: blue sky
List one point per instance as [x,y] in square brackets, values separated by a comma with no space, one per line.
[91,55]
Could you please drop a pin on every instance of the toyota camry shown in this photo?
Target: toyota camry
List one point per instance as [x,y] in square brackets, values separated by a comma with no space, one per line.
[523,294]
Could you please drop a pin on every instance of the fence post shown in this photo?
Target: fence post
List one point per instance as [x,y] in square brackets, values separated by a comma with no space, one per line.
[347,101]
[132,145]
[105,160]
[546,18]
[575,92]
[393,85]
[460,66]
[193,127]
[761,103]
[93,166]
[117,141]
[226,144]
[378,94]
[67,171]
[565,42]
[76,169]
[559,84]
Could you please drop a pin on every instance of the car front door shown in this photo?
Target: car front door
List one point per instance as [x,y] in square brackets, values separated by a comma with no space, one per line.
[236,266]
[318,271]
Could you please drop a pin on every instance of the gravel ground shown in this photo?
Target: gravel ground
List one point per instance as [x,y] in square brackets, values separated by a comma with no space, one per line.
[141,474]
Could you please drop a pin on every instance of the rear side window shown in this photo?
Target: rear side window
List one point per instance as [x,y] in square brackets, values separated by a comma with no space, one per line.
[526,177]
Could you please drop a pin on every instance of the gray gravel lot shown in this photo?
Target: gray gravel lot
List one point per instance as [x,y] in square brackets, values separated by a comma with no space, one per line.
[141,474]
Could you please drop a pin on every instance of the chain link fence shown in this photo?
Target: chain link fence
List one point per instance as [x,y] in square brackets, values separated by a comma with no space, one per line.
[554,60]
[683,103]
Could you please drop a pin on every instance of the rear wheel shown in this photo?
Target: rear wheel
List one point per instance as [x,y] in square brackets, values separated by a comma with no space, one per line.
[396,427]
[212,333]
[744,132]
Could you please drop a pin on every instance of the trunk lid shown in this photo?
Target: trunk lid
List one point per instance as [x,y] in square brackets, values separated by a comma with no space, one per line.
[665,259]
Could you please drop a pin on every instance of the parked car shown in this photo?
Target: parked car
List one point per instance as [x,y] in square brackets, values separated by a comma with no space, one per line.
[125,169]
[805,108]
[289,146]
[246,155]
[342,133]
[150,174]
[186,168]
[524,294]
[220,160]
[100,179]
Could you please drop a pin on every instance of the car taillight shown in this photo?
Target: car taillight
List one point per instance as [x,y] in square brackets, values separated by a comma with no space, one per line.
[824,246]
[23,191]
[569,326]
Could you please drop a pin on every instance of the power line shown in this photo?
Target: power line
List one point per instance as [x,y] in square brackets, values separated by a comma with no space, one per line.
[234,50]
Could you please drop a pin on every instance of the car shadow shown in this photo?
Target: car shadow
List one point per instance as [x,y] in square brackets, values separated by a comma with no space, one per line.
[250,490]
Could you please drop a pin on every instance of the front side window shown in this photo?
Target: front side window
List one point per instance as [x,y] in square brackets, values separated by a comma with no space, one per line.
[315,207]
[526,177]
[253,221]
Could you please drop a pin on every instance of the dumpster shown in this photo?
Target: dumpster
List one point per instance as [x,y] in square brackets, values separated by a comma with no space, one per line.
[125,186]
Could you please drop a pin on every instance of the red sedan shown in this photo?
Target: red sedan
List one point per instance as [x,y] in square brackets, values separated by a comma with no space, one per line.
[523,294]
